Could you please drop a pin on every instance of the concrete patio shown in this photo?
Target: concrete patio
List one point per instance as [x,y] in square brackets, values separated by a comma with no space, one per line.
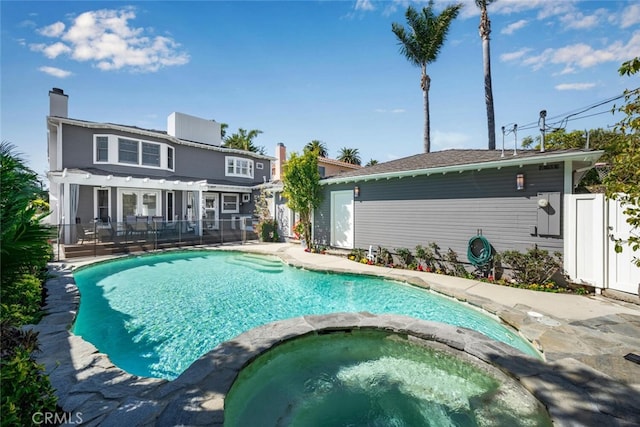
[584,381]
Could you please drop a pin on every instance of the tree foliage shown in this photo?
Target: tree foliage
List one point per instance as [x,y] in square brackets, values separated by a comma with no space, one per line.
[318,146]
[24,245]
[421,42]
[243,140]
[350,155]
[25,252]
[596,139]
[302,188]
[623,181]
[372,162]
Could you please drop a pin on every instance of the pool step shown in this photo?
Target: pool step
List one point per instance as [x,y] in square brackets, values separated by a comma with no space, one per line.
[258,263]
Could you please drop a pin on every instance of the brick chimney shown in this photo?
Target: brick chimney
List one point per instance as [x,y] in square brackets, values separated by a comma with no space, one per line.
[281,158]
[58,103]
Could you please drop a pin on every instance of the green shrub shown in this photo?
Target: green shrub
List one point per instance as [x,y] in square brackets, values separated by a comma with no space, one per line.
[404,256]
[25,388]
[536,266]
[268,230]
[455,266]
[356,254]
[21,298]
[383,256]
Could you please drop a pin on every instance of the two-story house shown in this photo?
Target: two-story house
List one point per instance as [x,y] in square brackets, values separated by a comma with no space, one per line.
[113,173]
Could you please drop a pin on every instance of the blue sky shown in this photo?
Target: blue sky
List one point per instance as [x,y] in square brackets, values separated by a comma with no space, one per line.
[304,70]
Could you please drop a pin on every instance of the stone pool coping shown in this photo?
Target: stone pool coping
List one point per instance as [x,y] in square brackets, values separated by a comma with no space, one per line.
[87,382]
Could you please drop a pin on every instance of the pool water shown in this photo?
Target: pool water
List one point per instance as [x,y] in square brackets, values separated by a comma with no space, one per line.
[155,315]
[375,379]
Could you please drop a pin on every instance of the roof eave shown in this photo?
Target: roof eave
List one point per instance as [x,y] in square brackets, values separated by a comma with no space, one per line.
[589,156]
[156,135]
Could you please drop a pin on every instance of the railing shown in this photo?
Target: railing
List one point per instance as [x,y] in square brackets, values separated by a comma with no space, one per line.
[100,238]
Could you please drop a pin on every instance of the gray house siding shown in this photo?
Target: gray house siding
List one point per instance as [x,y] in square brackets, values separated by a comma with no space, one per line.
[450,209]
[194,162]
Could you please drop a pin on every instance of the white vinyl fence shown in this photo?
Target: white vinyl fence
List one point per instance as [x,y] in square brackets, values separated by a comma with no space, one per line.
[592,224]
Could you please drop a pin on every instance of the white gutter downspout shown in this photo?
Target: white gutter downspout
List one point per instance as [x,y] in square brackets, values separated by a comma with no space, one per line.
[58,146]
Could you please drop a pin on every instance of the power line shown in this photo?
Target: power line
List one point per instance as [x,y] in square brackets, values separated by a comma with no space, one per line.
[565,118]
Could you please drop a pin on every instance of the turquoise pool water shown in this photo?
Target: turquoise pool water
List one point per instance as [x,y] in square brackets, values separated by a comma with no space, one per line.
[155,315]
[375,379]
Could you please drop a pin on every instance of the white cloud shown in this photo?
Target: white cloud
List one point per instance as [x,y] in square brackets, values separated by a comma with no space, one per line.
[512,28]
[581,55]
[579,21]
[106,39]
[55,72]
[575,86]
[27,23]
[546,8]
[631,16]
[366,5]
[53,30]
[392,111]
[513,56]
[55,50]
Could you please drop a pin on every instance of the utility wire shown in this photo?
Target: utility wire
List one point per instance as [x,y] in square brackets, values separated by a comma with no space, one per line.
[566,117]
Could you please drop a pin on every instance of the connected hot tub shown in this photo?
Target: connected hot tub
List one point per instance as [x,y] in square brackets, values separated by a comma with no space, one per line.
[375,377]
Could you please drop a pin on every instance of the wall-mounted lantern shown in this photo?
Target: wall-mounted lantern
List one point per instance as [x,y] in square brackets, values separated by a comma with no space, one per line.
[520,181]
[356,191]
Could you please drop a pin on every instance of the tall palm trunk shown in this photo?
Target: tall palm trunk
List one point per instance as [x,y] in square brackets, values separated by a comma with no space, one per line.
[425,83]
[485,31]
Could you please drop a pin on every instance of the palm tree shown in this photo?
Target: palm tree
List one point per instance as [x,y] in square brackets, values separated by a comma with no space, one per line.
[350,155]
[372,162]
[421,43]
[243,140]
[485,31]
[318,146]
[23,237]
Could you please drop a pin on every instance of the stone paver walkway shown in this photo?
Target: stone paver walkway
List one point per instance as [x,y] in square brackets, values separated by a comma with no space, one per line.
[585,380]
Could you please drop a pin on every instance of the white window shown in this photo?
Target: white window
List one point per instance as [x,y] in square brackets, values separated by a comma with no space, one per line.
[150,154]
[170,158]
[102,149]
[118,150]
[230,203]
[246,198]
[237,166]
[259,165]
[127,151]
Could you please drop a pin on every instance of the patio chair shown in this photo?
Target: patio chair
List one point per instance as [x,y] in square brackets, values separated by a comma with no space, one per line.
[141,226]
[85,233]
[105,229]
[157,224]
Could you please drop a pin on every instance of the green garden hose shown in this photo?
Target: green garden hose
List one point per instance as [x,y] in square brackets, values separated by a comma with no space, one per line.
[479,251]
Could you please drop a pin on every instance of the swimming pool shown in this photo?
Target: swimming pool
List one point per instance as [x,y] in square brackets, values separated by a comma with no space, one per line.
[155,315]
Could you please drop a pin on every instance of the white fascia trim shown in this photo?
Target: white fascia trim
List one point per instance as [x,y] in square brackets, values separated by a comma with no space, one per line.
[86,178]
[591,156]
[228,188]
[95,125]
